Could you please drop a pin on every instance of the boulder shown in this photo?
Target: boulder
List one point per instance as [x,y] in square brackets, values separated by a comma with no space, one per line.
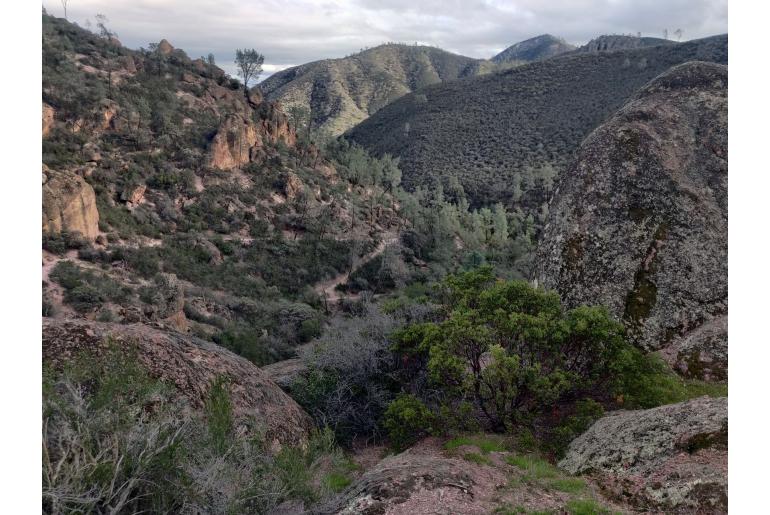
[234,143]
[164,47]
[416,482]
[133,195]
[191,365]
[48,119]
[69,205]
[639,221]
[670,459]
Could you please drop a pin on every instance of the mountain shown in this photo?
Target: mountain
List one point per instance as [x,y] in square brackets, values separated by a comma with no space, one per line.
[339,93]
[609,43]
[506,136]
[533,49]
[639,221]
[173,199]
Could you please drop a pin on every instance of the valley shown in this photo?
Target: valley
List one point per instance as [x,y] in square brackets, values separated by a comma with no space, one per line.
[400,282]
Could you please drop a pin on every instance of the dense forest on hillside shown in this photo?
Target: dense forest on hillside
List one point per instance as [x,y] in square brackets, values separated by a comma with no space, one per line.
[507,135]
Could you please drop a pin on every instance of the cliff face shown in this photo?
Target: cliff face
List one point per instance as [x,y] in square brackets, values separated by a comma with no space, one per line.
[69,205]
[639,221]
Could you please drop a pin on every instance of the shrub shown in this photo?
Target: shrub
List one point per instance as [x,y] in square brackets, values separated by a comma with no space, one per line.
[407,420]
[513,351]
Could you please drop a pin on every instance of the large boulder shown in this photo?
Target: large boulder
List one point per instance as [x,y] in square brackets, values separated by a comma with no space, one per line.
[48,119]
[639,221]
[671,458]
[191,365]
[69,205]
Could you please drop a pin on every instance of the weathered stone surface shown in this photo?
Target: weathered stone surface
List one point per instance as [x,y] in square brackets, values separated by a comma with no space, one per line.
[413,480]
[133,195]
[670,458]
[48,119]
[164,47]
[702,352]
[191,365]
[239,141]
[69,204]
[639,221]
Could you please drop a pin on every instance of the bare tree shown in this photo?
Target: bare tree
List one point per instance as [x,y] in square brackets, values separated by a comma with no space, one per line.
[249,63]
[678,33]
[64,4]
[665,33]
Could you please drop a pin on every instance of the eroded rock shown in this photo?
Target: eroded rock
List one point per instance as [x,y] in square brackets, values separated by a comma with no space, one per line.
[191,365]
[671,458]
[69,205]
[639,221]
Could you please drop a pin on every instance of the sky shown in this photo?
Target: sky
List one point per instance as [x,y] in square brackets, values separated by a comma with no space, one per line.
[289,33]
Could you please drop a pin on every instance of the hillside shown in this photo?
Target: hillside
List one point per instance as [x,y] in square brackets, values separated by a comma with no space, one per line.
[339,93]
[170,198]
[533,49]
[506,136]
[608,43]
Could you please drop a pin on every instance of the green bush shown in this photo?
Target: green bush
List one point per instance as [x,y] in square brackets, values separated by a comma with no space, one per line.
[514,351]
[407,420]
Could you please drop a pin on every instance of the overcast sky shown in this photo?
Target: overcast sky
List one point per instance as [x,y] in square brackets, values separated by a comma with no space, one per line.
[295,32]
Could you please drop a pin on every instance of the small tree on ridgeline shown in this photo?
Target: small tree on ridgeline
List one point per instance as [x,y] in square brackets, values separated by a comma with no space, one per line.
[249,63]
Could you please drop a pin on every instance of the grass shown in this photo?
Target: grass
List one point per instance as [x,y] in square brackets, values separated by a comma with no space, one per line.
[336,481]
[585,507]
[695,388]
[570,485]
[536,468]
[484,444]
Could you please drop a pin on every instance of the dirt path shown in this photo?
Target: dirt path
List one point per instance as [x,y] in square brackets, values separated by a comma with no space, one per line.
[328,289]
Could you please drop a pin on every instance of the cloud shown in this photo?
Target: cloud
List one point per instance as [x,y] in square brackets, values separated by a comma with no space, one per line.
[294,32]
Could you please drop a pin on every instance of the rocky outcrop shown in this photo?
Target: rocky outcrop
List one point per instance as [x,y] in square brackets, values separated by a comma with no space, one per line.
[48,119]
[415,481]
[164,47]
[239,140]
[609,43]
[639,221]
[672,458]
[191,365]
[69,205]
[234,143]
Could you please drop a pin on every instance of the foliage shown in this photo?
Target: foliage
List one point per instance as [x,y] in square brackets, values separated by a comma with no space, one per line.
[515,352]
[115,440]
[506,136]
[407,419]
[350,379]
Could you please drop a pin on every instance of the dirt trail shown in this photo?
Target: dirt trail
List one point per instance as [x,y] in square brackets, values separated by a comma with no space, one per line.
[328,289]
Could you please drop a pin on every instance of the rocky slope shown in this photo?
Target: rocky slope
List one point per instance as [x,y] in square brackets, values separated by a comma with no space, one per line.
[506,135]
[639,222]
[609,43]
[672,458]
[339,93]
[191,365]
[533,49]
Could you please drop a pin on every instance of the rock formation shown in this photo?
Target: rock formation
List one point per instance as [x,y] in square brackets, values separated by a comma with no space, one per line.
[48,119]
[164,47]
[639,221]
[672,458]
[69,205]
[191,365]
[239,140]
